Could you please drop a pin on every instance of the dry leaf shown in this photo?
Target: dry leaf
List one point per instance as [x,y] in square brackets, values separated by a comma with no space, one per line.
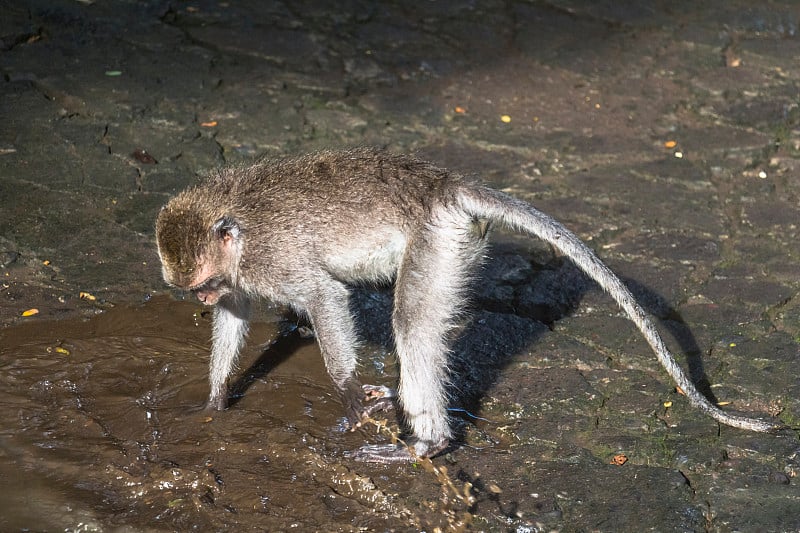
[619,459]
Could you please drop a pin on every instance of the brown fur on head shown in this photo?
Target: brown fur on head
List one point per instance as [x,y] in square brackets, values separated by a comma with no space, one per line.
[196,245]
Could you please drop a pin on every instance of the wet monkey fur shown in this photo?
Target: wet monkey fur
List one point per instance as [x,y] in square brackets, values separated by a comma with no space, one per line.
[297,231]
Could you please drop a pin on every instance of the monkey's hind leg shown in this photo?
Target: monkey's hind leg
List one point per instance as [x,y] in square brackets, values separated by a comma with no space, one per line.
[333,325]
[428,296]
[231,317]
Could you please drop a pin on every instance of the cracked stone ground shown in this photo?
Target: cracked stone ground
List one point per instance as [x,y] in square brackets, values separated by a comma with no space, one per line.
[665,134]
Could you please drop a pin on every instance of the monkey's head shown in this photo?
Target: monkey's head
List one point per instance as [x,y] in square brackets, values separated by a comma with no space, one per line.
[199,249]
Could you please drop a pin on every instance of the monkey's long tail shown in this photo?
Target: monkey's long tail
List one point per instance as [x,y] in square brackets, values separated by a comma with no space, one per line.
[482,202]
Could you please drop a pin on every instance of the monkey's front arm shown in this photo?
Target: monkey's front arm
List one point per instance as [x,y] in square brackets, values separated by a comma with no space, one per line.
[231,322]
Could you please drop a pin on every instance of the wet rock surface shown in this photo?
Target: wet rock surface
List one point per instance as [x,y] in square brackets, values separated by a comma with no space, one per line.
[665,134]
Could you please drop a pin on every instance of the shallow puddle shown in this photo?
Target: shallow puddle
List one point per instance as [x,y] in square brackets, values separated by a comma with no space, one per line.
[105,428]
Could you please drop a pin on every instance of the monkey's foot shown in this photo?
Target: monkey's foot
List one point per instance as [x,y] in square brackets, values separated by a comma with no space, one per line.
[398,453]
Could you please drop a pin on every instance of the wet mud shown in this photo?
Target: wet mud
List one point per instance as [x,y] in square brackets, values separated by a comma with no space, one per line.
[105,427]
[666,134]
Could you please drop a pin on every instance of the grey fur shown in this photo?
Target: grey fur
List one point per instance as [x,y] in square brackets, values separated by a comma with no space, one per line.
[297,231]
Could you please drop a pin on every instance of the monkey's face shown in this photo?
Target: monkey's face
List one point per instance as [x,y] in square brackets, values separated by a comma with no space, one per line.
[196,255]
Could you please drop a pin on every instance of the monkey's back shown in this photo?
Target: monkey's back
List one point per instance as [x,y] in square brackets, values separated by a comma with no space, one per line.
[370,181]
[347,212]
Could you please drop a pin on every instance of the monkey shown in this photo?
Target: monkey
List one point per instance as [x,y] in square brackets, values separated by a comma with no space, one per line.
[299,231]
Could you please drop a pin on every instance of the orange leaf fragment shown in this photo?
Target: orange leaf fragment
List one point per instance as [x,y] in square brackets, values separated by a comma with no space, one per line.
[460,110]
[209,124]
[30,312]
[670,144]
[619,459]
[680,391]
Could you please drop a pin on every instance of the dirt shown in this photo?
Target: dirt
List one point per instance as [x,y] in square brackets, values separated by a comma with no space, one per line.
[666,134]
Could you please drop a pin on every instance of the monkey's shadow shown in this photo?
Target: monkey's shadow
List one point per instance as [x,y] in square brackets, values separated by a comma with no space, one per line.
[514,301]
[272,355]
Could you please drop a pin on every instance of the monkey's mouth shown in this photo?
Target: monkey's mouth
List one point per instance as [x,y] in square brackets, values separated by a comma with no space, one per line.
[210,290]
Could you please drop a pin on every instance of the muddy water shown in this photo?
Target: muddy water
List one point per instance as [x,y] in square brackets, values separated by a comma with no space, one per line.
[104,428]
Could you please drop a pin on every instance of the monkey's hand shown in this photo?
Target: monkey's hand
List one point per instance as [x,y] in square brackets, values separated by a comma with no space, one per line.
[361,401]
[380,398]
[398,453]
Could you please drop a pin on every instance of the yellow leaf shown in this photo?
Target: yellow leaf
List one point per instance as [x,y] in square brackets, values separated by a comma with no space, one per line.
[30,312]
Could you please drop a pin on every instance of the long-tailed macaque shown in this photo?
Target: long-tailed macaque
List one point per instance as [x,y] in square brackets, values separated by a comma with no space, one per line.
[297,231]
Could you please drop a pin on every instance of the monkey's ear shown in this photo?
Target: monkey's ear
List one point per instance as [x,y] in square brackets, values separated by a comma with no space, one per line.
[226,227]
